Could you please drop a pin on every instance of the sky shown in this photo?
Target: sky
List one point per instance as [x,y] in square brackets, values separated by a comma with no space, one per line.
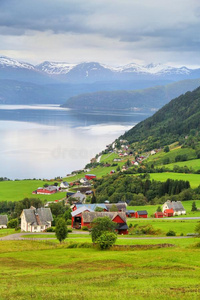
[113,32]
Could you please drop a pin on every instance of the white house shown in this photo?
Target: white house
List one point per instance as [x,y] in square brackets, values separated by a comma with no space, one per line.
[64,185]
[36,219]
[3,221]
[176,206]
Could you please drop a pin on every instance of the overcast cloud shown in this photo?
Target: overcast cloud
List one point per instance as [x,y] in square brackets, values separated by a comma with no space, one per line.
[109,31]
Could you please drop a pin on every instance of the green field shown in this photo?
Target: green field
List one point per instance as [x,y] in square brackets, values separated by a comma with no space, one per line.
[48,270]
[194,179]
[18,190]
[194,164]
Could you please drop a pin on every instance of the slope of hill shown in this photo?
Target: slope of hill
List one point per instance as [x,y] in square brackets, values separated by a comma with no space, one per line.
[172,122]
[139,100]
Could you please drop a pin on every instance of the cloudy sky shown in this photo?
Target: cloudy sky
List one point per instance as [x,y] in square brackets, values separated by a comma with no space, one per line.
[115,32]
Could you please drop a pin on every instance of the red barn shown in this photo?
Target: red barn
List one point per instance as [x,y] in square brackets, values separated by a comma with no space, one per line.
[77,220]
[158,214]
[130,213]
[46,190]
[141,214]
[117,217]
[90,176]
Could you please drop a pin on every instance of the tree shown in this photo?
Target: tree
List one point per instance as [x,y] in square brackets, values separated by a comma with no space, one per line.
[101,225]
[106,240]
[159,209]
[197,229]
[13,223]
[61,230]
[166,149]
[194,207]
[93,200]
[113,207]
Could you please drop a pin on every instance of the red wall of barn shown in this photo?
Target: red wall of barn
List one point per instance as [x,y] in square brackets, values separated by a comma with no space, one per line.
[117,219]
[138,216]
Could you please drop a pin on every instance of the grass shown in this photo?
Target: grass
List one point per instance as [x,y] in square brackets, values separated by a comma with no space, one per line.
[160,156]
[191,164]
[46,270]
[194,179]
[20,189]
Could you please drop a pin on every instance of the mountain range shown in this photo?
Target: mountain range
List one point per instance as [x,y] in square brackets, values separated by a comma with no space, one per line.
[56,82]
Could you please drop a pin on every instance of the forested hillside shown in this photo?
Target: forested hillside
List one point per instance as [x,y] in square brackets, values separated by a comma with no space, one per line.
[171,123]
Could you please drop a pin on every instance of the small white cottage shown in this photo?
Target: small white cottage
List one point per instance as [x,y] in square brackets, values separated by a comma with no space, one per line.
[176,206]
[36,219]
[3,221]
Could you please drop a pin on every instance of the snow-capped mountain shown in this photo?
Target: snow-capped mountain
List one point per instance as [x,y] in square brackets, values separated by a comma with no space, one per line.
[9,62]
[55,67]
[90,72]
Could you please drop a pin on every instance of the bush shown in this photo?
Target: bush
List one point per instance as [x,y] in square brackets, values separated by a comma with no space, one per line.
[85,228]
[13,223]
[50,229]
[106,240]
[171,233]
[69,230]
[69,222]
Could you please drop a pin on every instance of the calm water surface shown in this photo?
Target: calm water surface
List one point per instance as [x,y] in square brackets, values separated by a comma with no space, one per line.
[49,141]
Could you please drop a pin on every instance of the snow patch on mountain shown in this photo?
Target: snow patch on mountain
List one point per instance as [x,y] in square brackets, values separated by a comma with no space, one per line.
[55,67]
[9,62]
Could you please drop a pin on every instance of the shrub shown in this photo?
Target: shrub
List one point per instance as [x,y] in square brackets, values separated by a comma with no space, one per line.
[13,223]
[85,228]
[50,229]
[106,240]
[171,233]
[68,222]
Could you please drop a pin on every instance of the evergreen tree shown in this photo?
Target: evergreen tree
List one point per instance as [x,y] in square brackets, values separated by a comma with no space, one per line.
[194,207]
[94,199]
[61,229]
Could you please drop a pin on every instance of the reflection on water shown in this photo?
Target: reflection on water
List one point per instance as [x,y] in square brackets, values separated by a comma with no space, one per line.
[48,141]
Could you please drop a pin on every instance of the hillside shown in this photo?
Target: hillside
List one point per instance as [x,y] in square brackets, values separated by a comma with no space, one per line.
[149,99]
[171,123]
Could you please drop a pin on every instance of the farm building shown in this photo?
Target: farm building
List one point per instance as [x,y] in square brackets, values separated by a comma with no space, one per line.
[168,212]
[3,221]
[90,176]
[130,213]
[141,214]
[90,206]
[159,214]
[120,206]
[86,218]
[176,206]
[49,190]
[36,219]
[77,221]
[79,196]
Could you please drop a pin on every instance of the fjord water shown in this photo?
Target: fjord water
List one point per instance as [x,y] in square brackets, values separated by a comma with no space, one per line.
[49,141]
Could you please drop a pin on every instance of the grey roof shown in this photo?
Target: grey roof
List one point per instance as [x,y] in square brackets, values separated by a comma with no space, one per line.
[80,210]
[3,220]
[120,206]
[79,196]
[88,217]
[92,206]
[142,212]
[175,205]
[39,216]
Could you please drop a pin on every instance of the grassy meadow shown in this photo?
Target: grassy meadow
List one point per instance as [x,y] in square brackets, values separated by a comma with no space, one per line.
[194,179]
[48,270]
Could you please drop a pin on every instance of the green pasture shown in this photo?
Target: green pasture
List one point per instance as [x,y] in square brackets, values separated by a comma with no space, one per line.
[194,179]
[159,157]
[191,164]
[49,270]
[20,189]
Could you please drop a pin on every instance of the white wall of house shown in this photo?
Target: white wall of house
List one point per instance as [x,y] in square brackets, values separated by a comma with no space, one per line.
[3,226]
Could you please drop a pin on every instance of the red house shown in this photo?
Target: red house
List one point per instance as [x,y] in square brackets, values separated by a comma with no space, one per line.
[117,217]
[46,190]
[90,176]
[169,212]
[141,214]
[77,220]
[158,214]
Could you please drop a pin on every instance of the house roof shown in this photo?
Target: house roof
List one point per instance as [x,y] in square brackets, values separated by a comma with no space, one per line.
[142,212]
[80,210]
[3,220]
[39,216]
[175,205]
[79,196]
[122,226]
[88,217]
[120,206]
[48,188]
[169,211]
[130,211]
[92,206]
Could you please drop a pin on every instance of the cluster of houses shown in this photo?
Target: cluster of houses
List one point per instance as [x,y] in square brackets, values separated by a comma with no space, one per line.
[39,219]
